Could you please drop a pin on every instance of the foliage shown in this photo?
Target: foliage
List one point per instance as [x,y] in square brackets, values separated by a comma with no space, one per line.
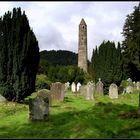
[74,118]
[43,66]
[61,66]
[34,95]
[60,57]
[42,82]
[123,83]
[131,45]
[67,73]
[19,55]
[107,64]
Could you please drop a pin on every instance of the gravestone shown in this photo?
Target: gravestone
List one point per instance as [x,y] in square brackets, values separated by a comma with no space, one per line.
[78,86]
[39,107]
[82,90]
[129,81]
[45,92]
[134,85]
[129,87]
[2,98]
[138,85]
[67,85]
[99,87]
[73,87]
[57,91]
[87,91]
[113,91]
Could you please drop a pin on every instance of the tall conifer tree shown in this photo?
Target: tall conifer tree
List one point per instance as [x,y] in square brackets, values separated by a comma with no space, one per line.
[131,45]
[19,56]
[106,64]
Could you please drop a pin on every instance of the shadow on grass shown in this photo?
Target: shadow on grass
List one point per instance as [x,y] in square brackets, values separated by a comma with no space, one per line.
[103,120]
[66,99]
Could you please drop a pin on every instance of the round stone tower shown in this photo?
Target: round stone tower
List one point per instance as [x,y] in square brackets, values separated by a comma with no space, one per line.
[82,48]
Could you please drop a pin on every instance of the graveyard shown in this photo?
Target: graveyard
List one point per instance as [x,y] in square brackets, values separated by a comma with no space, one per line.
[75,117]
[62,94]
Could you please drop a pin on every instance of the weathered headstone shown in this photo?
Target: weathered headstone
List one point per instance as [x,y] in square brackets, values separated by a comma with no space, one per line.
[45,92]
[67,85]
[2,98]
[129,82]
[129,87]
[138,85]
[99,87]
[73,87]
[39,107]
[113,91]
[57,91]
[87,91]
[78,86]
[134,85]
[82,90]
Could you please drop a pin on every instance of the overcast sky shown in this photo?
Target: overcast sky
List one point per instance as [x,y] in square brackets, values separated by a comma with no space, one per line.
[55,24]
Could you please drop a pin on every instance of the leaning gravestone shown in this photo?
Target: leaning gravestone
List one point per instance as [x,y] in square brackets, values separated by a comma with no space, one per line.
[2,98]
[138,85]
[73,87]
[57,91]
[113,91]
[78,86]
[39,107]
[99,87]
[129,87]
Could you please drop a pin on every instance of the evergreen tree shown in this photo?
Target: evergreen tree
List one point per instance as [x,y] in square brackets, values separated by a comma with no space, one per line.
[19,56]
[131,45]
[107,64]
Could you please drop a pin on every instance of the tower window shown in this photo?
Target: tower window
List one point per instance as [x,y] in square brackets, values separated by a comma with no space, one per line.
[83,27]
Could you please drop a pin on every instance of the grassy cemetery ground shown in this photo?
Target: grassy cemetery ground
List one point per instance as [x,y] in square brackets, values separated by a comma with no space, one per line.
[75,118]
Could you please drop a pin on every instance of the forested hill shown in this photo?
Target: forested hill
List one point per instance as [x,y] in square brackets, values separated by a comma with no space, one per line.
[60,57]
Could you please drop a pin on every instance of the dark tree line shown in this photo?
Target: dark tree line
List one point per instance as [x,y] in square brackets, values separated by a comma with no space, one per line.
[19,56]
[115,63]
[61,66]
[131,45]
[60,57]
[107,63]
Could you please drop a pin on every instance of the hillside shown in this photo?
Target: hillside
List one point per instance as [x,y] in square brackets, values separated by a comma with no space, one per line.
[60,57]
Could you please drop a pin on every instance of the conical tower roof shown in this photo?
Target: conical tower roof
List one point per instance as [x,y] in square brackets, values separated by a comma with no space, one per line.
[82,22]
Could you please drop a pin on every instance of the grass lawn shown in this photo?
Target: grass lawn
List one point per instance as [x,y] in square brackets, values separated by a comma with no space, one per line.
[75,118]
